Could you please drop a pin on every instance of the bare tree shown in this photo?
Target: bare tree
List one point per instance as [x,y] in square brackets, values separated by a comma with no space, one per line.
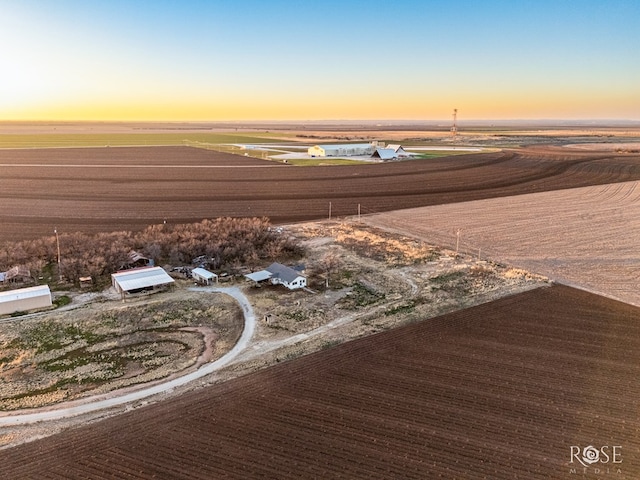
[328,264]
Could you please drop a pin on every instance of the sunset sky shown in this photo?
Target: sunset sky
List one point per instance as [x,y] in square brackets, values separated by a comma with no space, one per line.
[294,60]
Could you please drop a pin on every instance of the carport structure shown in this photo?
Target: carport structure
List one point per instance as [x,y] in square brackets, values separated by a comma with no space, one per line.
[139,279]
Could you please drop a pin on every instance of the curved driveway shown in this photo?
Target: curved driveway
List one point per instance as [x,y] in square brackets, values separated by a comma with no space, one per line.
[93,404]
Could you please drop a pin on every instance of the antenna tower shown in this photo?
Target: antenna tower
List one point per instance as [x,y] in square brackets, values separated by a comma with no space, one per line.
[454,128]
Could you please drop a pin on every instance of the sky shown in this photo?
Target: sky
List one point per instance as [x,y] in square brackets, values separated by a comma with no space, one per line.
[230,60]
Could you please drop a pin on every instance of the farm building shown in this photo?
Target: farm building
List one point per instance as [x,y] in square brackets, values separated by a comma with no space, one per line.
[136,259]
[139,279]
[16,274]
[343,150]
[24,299]
[385,154]
[204,276]
[399,150]
[279,274]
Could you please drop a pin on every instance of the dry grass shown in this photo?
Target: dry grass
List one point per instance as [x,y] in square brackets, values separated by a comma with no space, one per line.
[106,346]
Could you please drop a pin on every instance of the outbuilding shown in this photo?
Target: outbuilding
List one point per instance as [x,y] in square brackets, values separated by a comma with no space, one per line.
[342,150]
[204,276]
[385,154]
[140,279]
[400,151]
[24,299]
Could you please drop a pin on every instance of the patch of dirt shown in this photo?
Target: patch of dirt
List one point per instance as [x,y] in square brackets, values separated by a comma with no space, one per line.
[100,347]
[379,280]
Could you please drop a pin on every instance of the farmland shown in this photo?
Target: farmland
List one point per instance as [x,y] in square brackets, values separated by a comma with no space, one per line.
[498,391]
[128,188]
[584,236]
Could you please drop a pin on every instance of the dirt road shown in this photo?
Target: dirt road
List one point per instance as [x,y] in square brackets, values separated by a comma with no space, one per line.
[102,402]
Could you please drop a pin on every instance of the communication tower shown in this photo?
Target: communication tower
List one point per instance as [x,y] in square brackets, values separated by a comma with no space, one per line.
[454,127]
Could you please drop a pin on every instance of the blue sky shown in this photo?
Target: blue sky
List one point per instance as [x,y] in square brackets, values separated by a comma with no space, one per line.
[245,60]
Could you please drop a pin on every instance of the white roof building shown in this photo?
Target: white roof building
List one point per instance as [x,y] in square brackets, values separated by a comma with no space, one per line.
[23,299]
[385,154]
[137,279]
[400,151]
[342,150]
[201,275]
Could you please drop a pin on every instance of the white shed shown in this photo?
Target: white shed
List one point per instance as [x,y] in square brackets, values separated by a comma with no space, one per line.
[23,299]
[204,276]
[138,279]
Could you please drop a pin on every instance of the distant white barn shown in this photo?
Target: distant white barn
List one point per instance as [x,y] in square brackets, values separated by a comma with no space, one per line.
[204,276]
[139,279]
[279,274]
[400,151]
[342,150]
[24,299]
[385,154]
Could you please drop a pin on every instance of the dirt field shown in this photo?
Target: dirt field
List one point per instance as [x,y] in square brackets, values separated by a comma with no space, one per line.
[498,391]
[106,189]
[586,237]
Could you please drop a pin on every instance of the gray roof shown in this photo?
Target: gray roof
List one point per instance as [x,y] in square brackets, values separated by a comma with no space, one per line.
[141,278]
[283,272]
[260,276]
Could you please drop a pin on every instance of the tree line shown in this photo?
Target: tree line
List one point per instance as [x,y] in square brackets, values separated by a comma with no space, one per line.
[227,243]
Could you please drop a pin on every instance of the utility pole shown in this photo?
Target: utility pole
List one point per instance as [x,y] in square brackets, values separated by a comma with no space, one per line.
[457,241]
[55,230]
[329,210]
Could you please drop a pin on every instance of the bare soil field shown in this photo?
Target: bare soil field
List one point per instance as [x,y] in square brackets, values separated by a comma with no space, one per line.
[498,391]
[586,237]
[106,189]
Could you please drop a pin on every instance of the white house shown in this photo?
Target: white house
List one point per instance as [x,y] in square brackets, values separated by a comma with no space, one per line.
[342,150]
[23,299]
[204,276]
[279,274]
[138,279]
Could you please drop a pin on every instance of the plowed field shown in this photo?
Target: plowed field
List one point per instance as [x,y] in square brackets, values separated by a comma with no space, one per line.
[498,391]
[104,189]
[589,237]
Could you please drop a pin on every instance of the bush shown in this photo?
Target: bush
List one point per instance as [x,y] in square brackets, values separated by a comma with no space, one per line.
[224,242]
[61,301]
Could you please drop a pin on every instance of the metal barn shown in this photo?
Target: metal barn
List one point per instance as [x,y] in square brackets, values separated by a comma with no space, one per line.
[25,299]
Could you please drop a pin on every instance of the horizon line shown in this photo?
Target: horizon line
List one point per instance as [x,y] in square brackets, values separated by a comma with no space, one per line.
[330,120]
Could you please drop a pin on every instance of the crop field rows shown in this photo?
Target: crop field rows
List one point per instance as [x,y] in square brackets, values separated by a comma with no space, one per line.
[106,189]
[497,391]
[586,237]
